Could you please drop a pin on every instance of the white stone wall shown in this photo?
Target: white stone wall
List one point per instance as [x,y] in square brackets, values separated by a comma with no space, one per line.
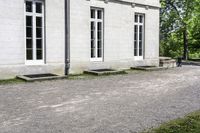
[155,3]
[118,34]
[12,39]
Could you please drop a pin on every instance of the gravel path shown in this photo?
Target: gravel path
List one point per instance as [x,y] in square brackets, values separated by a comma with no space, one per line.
[114,104]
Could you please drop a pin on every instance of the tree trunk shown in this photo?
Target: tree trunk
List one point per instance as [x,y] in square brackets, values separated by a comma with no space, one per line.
[185,41]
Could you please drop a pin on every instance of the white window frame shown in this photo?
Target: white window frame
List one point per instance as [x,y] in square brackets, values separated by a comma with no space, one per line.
[138,24]
[96,20]
[33,14]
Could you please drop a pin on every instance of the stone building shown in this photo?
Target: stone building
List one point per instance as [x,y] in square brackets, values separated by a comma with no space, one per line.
[69,36]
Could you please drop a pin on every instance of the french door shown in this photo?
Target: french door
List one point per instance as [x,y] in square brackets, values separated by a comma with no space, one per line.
[139,37]
[96,23]
[34,20]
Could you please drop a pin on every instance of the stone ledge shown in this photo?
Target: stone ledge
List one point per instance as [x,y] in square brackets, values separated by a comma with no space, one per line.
[30,79]
[100,72]
[148,68]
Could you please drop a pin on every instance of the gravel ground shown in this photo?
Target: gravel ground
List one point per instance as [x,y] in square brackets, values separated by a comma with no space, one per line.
[114,104]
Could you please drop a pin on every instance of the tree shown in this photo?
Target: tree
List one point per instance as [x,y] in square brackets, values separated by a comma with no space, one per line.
[177,16]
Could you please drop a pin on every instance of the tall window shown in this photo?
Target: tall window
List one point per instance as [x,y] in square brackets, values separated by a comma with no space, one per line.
[139,36]
[96,34]
[34,31]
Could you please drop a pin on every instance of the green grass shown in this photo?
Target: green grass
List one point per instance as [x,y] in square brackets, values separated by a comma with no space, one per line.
[73,77]
[90,76]
[11,81]
[188,124]
[80,76]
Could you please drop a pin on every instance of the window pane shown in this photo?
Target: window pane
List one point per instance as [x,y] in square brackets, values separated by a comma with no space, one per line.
[99,14]
[38,21]
[140,52]
[29,21]
[141,19]
[92,44]
[92,35]
[99,35]
[38,32]
[92,53]
[39,44]
[92,49]
[99,54]
[29,43]
[28,32]
[38,7]
[99,26]
[92,26]
[135,48]
[92,13]
[29,6]
[140,38]
[39,54]
[136,18]
[140,44]
[39,49]
[136,32]
[99,44]
[29,54]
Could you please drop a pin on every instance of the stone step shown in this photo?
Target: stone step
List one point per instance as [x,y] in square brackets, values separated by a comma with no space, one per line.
[100,72]
[40,77]
[165,58]
[148,68]
[167,62]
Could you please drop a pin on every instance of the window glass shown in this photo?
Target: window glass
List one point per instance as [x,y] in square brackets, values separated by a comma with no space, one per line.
[28,32]
[39,43]
[99,35]
[136,18]
[99,24]
[141,19]
[39,54]
[140,48]
[39,49]
[92,30]
[38,32]
[29,43]
[140,35]
[29,54]
[92,13]
[99,14]
[38,7]
[29,7]
[93,53]
[29,21]
[39,21]
[135,48]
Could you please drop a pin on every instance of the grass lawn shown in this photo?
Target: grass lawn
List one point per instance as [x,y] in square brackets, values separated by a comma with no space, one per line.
[11,81]
[188,124]
[73,77]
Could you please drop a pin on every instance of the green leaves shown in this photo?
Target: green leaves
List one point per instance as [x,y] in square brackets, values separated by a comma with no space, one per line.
[176,18]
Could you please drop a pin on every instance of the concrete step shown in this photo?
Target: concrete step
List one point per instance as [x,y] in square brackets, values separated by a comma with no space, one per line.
[148,68]
[167,62]
[99,72]
[40,77]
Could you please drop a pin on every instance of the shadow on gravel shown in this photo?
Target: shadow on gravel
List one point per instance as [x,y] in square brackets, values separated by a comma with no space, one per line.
[191,63]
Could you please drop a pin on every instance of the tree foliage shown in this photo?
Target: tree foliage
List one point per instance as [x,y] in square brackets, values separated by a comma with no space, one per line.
[180,27]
